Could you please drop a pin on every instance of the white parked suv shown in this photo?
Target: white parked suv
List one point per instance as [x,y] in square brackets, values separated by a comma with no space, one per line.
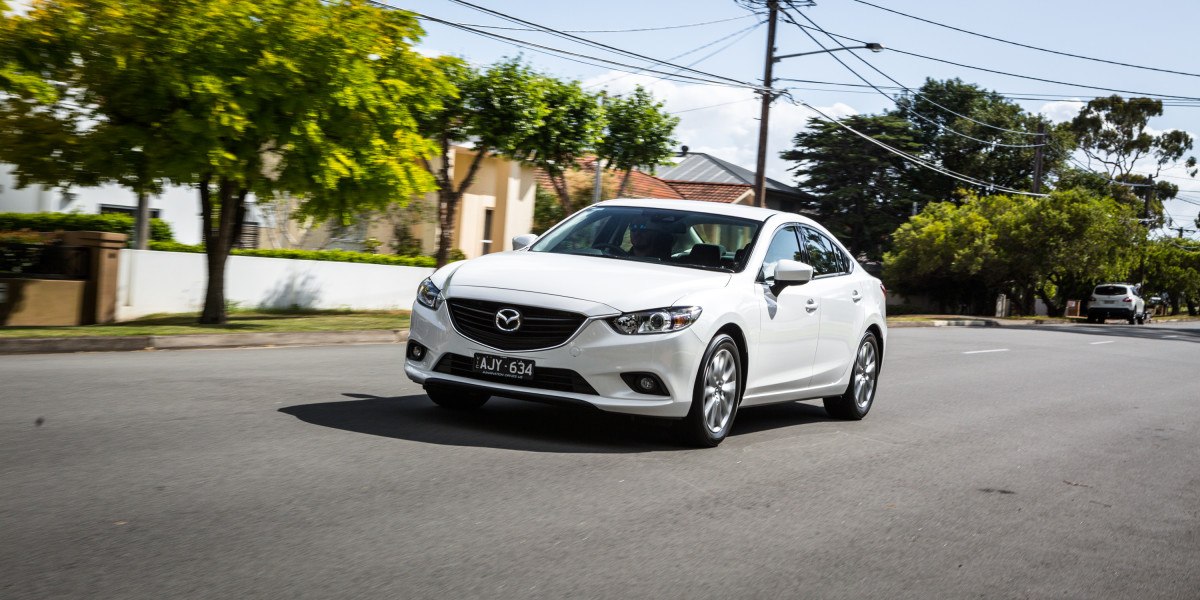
[665,308]
[1116,301]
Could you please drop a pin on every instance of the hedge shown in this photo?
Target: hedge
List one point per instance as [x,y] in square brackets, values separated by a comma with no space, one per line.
[160,231]
[326,255]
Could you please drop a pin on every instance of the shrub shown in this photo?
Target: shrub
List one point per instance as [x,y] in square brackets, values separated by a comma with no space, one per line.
[113,223]
[325,255]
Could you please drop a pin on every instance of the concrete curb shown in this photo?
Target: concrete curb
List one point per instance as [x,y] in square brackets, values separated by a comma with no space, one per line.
[200,340]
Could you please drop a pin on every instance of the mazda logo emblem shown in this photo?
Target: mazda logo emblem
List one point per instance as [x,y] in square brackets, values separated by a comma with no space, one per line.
[508,320]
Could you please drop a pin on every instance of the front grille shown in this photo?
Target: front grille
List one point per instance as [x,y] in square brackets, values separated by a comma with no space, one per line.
[540,327]
[544,378]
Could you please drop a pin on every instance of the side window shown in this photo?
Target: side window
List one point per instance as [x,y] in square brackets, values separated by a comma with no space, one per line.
[784,246]
[824,255]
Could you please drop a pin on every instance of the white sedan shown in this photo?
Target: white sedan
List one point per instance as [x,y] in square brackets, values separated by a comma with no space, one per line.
[665,308]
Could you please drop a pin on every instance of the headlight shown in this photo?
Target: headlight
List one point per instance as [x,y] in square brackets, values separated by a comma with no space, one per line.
[660,320]
[429,294]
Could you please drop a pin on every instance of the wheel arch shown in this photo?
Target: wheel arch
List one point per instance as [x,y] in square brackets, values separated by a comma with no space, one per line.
[877,331]
[739,339]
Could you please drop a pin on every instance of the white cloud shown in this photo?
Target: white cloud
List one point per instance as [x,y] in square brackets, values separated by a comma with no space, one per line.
[1062,110]
[723,121]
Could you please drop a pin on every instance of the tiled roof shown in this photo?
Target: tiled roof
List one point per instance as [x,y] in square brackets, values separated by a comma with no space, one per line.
[701,167]
[727,193]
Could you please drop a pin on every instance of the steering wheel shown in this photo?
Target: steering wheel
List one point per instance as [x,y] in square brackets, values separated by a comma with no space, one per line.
[610,248]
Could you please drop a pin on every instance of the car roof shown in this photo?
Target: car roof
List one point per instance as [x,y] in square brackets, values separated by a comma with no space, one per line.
[729,210]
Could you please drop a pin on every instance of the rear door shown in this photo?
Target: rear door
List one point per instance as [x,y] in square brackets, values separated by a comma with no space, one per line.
[838,292]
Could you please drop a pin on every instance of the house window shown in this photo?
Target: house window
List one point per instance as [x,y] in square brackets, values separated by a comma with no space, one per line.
[487,231]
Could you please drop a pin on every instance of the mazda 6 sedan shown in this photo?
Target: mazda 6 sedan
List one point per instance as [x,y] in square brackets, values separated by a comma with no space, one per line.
[677,309]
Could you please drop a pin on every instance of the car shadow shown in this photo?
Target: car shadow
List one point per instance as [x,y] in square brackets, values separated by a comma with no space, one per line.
[528,426]
[1162,332]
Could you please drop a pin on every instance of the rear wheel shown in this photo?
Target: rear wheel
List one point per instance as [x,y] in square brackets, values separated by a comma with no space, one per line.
[716,395]
[854,403]
[456,398]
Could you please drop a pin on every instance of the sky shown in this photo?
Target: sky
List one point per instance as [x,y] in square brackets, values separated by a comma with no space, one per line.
[723,119]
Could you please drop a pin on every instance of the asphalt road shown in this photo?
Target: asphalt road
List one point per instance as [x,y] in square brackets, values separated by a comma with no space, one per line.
[1031,462]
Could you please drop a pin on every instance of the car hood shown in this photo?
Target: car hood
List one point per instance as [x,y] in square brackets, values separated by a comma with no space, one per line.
[623,285]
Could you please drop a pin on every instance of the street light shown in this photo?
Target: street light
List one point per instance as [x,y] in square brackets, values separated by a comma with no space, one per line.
[760,176]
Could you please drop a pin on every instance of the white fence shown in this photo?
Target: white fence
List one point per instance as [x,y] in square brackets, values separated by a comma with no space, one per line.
[173,282]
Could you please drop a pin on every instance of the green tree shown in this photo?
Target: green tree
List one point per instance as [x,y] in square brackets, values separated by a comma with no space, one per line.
[1112,132]
[864,192]
[317,98]
[570,129]
[498,109]
[638,135]
[1173,266]
[1051,248]
[970,130]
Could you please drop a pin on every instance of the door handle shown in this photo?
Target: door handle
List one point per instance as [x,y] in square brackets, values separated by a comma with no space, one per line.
[811,305]
[855,296]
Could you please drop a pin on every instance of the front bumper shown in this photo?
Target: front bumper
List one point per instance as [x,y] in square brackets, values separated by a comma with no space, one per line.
[597,355]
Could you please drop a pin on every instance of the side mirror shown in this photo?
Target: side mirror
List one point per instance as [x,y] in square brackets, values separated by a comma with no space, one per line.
[523,241]
[791,272]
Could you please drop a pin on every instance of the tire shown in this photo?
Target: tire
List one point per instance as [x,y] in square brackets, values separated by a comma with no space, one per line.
[1141,319]
[455,398]
[715,397]
[1132,319]
[856,401]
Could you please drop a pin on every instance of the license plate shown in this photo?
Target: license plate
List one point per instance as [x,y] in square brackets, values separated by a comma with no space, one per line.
[1109,302]
[504,366]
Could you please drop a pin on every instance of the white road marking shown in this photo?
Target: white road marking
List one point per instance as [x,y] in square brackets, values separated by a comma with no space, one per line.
[1108,342]
[1169,336]
[985,351]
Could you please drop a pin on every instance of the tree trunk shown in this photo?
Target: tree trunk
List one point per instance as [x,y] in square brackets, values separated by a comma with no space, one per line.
[218,242]
[564,195]
[449,197]
[141,223]
[624,180]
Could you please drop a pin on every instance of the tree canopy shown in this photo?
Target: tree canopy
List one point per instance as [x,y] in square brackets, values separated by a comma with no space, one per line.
[863,191]
[639,134]
[318,98]
[1051,247]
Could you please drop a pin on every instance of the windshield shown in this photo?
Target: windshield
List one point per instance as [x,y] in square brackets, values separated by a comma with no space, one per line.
[1111,290]
[682,238]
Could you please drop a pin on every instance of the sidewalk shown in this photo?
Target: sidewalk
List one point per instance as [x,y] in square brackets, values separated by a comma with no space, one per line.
[130,343]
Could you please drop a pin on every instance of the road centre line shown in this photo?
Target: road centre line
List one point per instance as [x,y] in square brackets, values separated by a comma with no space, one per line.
[1107,342]
[985,351]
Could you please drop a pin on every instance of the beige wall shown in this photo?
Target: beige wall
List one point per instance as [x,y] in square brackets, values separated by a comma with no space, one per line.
[506,187]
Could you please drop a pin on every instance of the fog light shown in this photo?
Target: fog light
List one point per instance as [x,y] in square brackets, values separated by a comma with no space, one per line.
[645,383]
[416,352]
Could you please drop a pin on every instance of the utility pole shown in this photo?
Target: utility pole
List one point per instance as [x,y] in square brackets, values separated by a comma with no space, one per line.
[1037,158]
[596,186]
[760,175]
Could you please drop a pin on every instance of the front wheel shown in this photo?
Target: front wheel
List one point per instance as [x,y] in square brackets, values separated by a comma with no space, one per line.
[854,403]
[716,395]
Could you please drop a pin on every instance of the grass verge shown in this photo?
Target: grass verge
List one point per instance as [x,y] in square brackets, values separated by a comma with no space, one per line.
[239,322]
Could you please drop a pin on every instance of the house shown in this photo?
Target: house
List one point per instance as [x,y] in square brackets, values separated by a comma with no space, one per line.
[701,168]
[498,206]
[698,177]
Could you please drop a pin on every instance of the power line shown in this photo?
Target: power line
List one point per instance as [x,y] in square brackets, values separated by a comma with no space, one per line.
[1009,95]
[744,32]
[1004,41]
[1056,82]
[676,76]
[596,44]
[616,30]
[941,127]
[919,161]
